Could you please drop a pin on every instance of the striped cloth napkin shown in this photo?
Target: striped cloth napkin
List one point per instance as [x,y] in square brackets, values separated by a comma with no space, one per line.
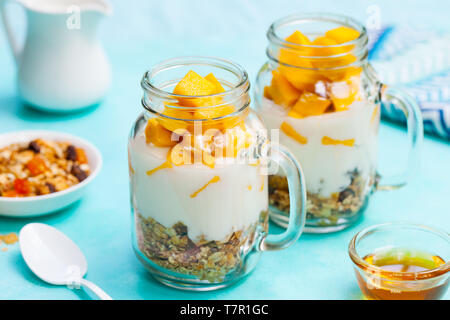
[419,62]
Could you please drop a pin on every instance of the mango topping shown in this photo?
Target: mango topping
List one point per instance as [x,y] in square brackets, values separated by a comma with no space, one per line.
[194,85]
[309,104]
[374,114]
[176,127]
[215,179]
[290,132]
[165,165]
[329,141]
[281,91]
[158,135]
[342,34]
[321,60]
[298,38]
[217,85]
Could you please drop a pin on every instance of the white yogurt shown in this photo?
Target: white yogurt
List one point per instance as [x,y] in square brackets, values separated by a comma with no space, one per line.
[326,167]
[233,203]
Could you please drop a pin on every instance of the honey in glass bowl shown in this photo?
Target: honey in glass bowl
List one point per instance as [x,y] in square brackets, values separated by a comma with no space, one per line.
[401,261]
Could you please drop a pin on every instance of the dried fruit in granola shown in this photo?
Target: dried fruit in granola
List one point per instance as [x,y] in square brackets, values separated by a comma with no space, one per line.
[172,249]
[41,167]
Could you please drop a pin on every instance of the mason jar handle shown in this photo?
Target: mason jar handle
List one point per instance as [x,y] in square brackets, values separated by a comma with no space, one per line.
[297,195]
[415,135]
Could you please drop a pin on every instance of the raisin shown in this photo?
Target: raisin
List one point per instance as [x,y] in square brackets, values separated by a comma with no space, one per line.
[345,194]
[181,229]
[51,187]
[34,146]
[71,153]
[78,173]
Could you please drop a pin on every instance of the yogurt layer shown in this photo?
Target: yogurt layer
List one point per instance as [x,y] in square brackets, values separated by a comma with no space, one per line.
[172,195]
[327,167]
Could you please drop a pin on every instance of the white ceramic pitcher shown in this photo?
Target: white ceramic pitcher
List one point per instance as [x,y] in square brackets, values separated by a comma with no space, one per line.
[61,66]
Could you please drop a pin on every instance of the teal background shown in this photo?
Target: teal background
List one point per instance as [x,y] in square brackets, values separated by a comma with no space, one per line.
[141,33]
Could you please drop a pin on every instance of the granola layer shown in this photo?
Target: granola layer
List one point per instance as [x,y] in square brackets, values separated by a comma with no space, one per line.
[344,203]
[172,249]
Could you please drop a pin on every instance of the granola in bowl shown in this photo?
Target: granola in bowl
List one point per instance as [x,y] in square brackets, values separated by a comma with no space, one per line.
[41,167]
[44,171]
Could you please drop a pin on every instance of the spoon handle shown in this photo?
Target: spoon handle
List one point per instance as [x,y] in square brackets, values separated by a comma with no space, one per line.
[95,289]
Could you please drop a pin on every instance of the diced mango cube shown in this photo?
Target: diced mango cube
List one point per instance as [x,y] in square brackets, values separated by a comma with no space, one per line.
[194,85]
[158,135]
[341,74]
[298,38]
[217,85]
[342,34]
[282,91]
[266,93]
[178,118]
[295,55]
[299,75]
[302,79]
[325,50]
[309,104]
[213,112]
[338,58]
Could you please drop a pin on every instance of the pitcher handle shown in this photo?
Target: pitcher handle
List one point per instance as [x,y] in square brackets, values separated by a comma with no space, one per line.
[297,193]
[415,135]
[13,43]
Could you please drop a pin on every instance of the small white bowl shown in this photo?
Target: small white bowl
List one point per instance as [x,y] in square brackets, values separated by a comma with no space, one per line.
[45,204]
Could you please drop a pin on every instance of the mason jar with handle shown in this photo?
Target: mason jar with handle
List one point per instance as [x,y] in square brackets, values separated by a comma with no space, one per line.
[198,161]
[320,91]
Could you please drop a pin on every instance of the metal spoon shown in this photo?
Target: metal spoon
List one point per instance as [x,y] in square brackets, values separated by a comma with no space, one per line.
[54,258]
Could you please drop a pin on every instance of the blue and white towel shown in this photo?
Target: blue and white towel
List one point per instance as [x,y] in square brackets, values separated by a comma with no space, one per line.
[419,62]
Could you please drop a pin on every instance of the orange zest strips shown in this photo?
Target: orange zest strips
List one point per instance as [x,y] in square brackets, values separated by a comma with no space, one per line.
[329,141]
[215,179]
[290,132]
[165,165]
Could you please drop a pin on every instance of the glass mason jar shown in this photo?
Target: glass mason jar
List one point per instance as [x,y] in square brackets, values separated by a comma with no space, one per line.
[320,91]
[198,178]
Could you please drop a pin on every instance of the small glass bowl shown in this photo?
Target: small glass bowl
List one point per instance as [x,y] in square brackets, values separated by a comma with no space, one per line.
[381,284]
